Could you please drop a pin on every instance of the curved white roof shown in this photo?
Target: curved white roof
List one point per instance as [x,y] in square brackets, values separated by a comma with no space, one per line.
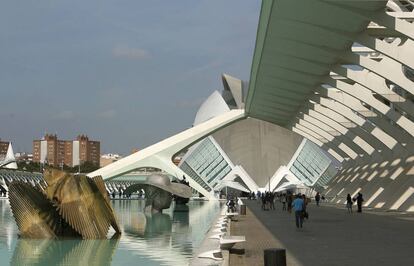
[212,107]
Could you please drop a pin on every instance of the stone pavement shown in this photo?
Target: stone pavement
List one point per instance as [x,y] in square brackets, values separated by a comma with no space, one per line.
[331,236]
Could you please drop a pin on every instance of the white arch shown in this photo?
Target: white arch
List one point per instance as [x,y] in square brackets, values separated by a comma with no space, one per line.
[160,154]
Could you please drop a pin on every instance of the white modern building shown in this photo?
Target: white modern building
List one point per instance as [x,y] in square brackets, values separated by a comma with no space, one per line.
[218,161]
[338,73]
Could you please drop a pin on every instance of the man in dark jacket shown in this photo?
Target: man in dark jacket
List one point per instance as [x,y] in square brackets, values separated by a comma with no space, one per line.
[359,201]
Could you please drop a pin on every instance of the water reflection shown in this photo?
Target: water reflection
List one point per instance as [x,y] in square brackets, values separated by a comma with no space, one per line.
[64,252]
[169,238]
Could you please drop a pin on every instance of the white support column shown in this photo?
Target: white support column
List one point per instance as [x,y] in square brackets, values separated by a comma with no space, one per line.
[354,104]
[363,94]
[397,49]
[331,140]
[359,121]
[351,116]
[358,147]
[377,84]
[326,144]
[335,129]
[351,126]
[344,126]
[387,68]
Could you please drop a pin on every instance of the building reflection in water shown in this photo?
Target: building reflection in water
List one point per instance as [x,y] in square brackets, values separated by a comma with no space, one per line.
[8,227]
[174,234]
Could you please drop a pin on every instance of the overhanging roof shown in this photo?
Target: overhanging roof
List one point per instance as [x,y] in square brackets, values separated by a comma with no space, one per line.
[298,42]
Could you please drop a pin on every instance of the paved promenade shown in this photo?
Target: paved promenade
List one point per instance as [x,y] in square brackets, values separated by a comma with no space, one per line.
[330,237]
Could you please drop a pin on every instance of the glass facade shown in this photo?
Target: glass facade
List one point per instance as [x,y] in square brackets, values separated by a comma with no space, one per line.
[312,166]
[327,176]
[205,164]
[189,171]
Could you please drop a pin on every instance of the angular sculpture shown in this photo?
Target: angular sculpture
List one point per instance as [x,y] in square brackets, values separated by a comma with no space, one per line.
[159,191]
[69,206]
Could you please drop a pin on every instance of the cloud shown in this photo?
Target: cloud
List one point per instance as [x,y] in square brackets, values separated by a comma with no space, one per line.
[65,115]
[130,53]
[107,114]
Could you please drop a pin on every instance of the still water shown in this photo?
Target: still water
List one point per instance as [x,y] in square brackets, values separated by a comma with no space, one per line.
[169,238]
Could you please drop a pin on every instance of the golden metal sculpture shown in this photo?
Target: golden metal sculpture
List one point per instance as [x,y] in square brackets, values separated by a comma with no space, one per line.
[69,206]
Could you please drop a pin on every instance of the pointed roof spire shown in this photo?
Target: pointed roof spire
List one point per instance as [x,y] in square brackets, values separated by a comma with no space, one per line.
[10,160]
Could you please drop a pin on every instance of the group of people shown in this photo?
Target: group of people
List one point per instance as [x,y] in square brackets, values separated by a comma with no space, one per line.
[268,201]
[289,201]
[121,194]
[298,203]
[350,201]
[232,204]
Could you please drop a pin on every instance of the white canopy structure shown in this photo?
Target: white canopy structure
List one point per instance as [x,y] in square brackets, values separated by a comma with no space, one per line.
[290,186]
[231,184]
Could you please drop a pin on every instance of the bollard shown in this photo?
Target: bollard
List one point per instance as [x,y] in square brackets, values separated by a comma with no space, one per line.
[243,209]
[274,257]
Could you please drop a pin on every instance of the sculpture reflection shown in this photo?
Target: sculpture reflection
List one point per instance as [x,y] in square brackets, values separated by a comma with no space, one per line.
[64,252]
[149,225]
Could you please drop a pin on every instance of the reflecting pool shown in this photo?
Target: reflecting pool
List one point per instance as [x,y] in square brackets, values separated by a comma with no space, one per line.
[169,238]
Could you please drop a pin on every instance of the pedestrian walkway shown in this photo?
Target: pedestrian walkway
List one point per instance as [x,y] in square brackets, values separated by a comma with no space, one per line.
[331,236]
[258,238]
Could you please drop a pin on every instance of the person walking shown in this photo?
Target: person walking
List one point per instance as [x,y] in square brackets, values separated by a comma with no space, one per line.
[289,202]
[349,203]
[263,201]
[359,201]
[283,199]
[298,205]
[272,200]
[317,198]
[304,211]
[231,206]
[267,201]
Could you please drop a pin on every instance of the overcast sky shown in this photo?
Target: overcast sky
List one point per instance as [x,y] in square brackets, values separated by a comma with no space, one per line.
[127,73]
